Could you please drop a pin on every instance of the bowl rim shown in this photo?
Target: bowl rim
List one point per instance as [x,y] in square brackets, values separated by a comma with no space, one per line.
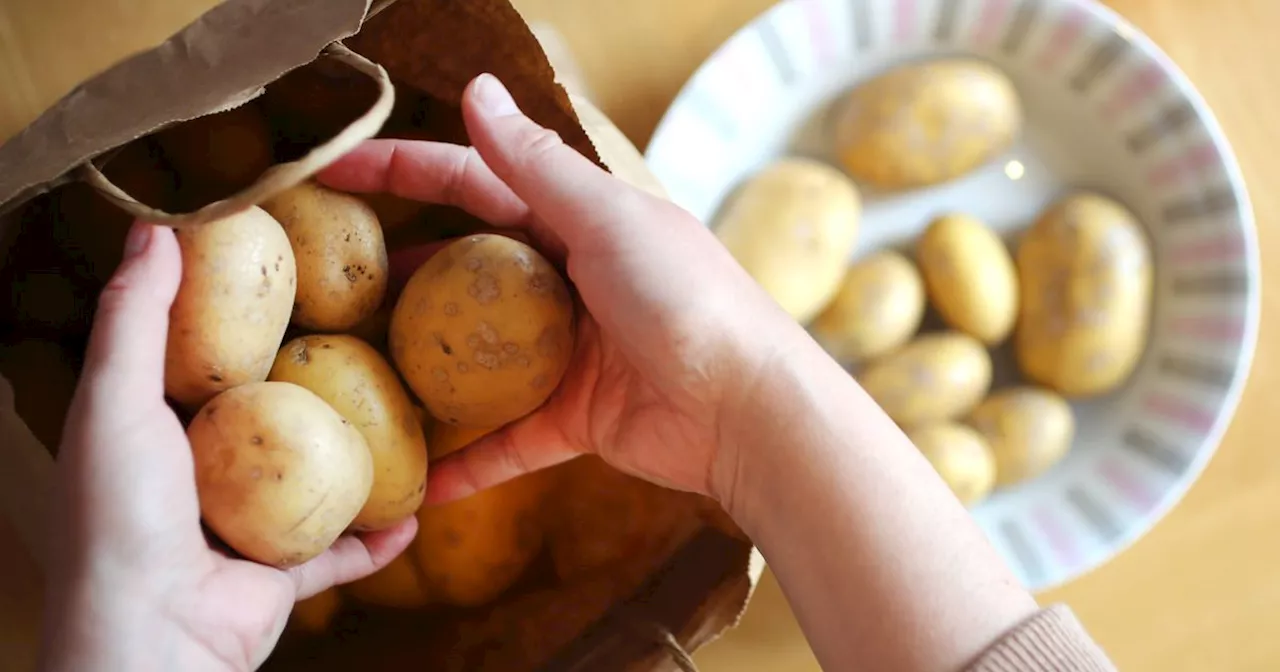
[1244,216]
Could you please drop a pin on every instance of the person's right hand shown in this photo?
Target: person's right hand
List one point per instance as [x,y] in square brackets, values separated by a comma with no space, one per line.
[675,337]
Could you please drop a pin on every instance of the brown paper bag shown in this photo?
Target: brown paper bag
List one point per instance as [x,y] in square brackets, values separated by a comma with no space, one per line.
[326,74]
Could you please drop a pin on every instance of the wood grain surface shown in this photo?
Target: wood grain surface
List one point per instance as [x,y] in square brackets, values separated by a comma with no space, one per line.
[1201,592]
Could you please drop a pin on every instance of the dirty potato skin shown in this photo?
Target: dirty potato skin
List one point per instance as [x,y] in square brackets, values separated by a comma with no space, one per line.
[232,307]
[970,277]
[933,378]
[349,375]
[446,438]
[924,123]
[1086,272]
[791,226]
[342,257]
[961,457]
[878,308]
[279,473]
[1029,430]
[483,331]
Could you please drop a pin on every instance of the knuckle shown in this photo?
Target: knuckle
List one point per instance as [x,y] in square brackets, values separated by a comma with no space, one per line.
[535,143]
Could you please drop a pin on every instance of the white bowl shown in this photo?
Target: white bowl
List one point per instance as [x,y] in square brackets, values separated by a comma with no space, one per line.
[1105,109]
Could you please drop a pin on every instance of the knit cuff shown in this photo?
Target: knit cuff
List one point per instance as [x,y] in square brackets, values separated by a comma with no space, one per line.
[1052,640]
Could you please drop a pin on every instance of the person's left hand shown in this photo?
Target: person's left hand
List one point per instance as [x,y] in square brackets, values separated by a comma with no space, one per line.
[135,584]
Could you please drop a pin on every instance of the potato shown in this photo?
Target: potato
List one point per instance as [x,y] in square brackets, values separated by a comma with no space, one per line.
[878,308]
[1085,271]
[960,456]
[483,331]
[218,155]
[400,584]
[935,377]
[602,520]
[359,384]
[1029,430]
[279,473]
[970,277]
[342,259]
[447,438]
[315,614]
[924,123]
[792,227]
[471,550]
[232,308]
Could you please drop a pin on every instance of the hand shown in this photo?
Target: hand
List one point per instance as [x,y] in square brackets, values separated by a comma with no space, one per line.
[135,584]
[674,336]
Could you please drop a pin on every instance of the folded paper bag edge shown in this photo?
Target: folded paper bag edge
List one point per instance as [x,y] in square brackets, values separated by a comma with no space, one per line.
[219,61]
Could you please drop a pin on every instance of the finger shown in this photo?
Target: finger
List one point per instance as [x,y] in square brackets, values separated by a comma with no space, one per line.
[127,344]
[352,557]
[570,194]
[431,172]
[533,443]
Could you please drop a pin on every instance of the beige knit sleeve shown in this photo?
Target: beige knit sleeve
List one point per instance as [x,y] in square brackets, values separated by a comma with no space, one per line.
[1050,641]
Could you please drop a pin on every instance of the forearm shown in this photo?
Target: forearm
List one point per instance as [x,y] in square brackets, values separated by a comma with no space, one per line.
[882,565]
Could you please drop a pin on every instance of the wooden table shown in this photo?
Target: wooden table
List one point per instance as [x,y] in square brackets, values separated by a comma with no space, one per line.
[1201,592]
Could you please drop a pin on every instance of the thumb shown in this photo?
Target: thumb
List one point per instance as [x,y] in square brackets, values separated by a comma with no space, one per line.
[131,326]
[572,195]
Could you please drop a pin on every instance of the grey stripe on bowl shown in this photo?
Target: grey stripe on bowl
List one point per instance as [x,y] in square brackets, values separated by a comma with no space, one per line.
[1023,18]
[1220,200]
[1155,451]
[1106,54]
[1023,553]
[1097,516]
[1208,373]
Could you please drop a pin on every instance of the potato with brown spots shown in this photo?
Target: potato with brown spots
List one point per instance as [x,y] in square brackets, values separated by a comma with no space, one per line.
[1085,270]
[960,456]
[342,257]
[924,123]
[935,377]
[1029,430]
[232,307]
[878,308]
[279,473]
[483,331]
[970,277]
[792,227]
[349,375]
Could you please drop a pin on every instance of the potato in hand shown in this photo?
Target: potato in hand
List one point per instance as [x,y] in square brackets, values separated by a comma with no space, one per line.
[483,331]
[359,384]
[279,473]
[342,258]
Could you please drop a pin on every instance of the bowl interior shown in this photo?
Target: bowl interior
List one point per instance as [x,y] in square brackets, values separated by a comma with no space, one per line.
[1104,110]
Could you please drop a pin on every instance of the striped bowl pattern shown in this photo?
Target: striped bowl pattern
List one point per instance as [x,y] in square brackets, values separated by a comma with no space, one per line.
[1105,109]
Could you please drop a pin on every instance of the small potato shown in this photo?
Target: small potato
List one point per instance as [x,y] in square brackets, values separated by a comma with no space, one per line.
[399,585]
[218,155]
[970,276]
[602,520]
[358,383]
[1085,271]
[279,473]
[961,457]
[483,331]
[471,550]
[232,308]
[1029,430]
[924,123]
[878,308]
[792,227]
[933,378]
[342,258]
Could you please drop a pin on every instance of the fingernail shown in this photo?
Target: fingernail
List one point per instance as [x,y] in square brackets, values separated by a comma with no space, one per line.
[494,97]
[136,240]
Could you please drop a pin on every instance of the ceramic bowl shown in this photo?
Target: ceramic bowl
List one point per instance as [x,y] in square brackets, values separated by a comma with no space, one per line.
[1104,109]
